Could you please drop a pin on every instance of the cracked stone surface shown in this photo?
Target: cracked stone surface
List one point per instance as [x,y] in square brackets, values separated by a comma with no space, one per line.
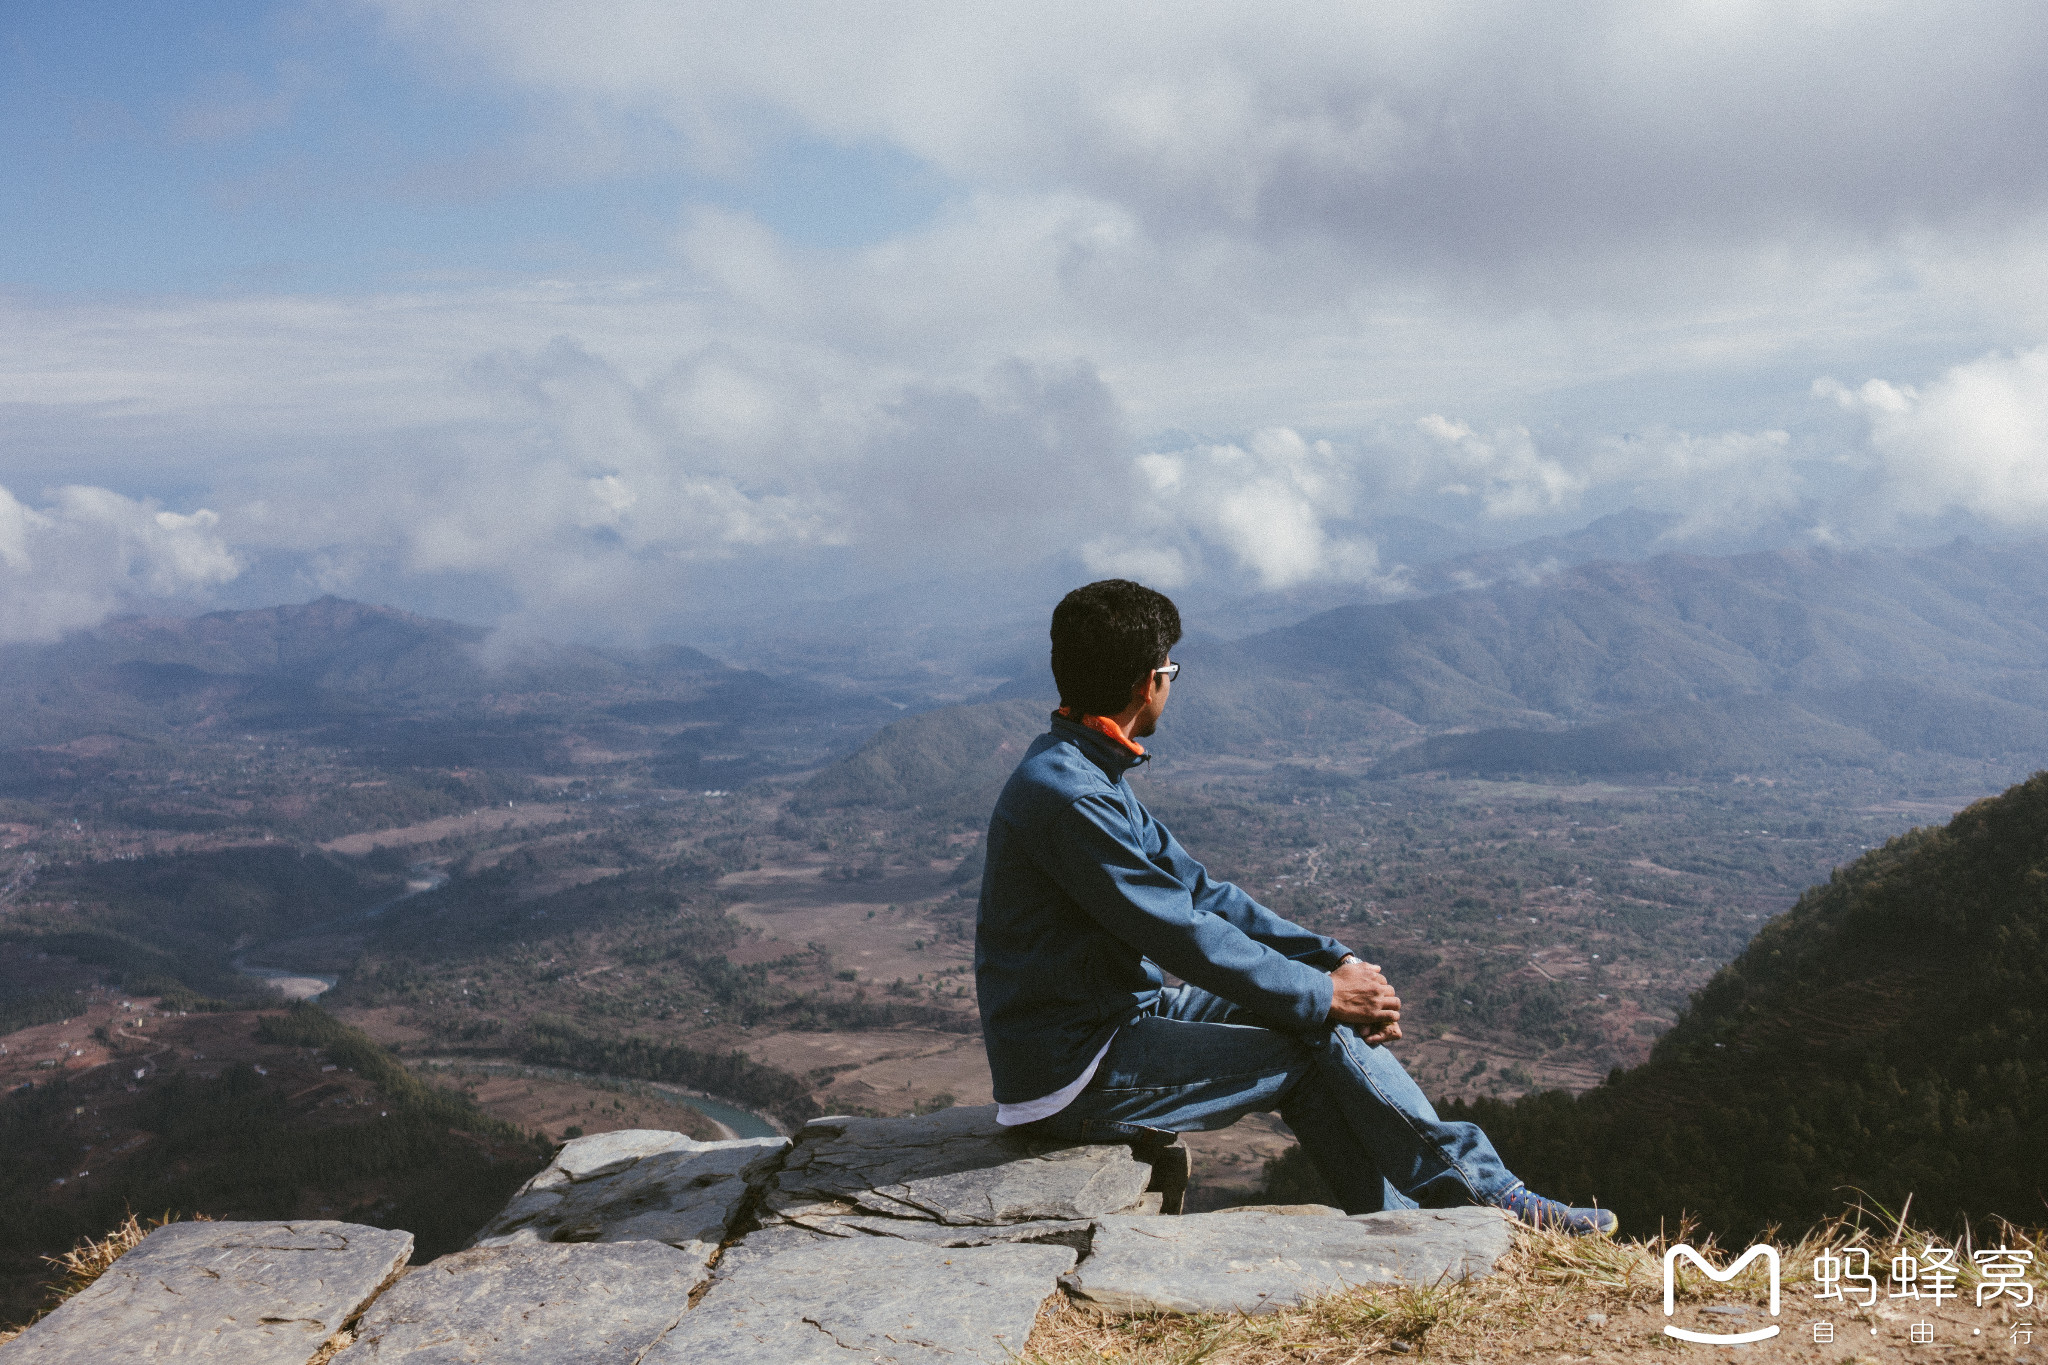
[956,1167]
[1074,1233]
[252,1293]
[1260,1262]
[637,1185]
[548,1304]
[800,1302]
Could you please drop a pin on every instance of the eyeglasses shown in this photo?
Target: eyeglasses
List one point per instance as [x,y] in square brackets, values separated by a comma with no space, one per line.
[1171,671]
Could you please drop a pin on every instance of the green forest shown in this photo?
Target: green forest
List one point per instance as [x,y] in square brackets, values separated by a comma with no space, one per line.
[730,1074]
[233,1145]
[1887,1038]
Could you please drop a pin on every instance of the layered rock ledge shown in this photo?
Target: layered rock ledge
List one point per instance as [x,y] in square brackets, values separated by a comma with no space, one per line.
[907,1240]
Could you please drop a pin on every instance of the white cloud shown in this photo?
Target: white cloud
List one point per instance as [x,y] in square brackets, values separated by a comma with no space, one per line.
[1715,484]
[1503,471]
[1975,438]
[593,501]
[90,552]
[1273,508]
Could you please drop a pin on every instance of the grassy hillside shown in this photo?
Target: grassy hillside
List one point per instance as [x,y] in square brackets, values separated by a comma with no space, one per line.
[1888,1035]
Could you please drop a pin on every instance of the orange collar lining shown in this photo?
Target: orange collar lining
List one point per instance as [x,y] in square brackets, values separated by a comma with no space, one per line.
[1106,727]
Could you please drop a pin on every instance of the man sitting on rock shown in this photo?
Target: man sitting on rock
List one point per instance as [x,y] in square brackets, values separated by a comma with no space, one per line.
[1087,901]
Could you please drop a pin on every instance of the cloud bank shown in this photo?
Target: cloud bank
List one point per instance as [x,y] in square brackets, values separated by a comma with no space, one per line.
[1441,135]
[1210,297]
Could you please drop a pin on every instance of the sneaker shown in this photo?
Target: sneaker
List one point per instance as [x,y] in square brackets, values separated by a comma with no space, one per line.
[1529,1207]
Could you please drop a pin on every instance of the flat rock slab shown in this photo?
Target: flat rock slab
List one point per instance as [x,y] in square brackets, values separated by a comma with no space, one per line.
[602,1154]
[956,1167]
[851,1301]
[250,1293]
[638,1185]
[1260,1262]
[546,1304]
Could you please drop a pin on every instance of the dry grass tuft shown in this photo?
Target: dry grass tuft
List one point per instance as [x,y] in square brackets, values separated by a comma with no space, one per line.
[86,1262]
[1553,1294]
[333,1347]
[1338,1328]
[1588,1265]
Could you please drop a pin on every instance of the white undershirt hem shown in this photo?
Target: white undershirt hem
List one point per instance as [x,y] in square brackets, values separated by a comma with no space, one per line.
[1030,1111]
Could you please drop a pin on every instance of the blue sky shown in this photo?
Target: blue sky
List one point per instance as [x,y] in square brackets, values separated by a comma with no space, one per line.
[257,147]
[561,316]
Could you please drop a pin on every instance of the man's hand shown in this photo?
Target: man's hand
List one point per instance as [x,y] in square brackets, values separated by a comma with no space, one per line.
[1361,997]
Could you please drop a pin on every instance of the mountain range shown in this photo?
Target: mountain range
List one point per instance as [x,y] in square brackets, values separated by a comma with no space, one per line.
[405,689]
[1677,663]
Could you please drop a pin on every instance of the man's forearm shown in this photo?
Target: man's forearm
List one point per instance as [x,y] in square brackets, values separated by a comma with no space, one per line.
[1231,904]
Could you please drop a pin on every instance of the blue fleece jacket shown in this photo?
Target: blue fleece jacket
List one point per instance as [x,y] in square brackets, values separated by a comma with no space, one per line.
[1086,897]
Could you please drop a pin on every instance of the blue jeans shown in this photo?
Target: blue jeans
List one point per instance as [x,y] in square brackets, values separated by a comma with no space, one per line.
[1194,1063]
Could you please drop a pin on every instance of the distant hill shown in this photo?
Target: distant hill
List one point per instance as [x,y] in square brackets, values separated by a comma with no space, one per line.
[1424,559]
[1856,726]
[294,665]
[1888,1035]
[957,755]
[1942,651]
[1737,734]
[287,664]
[402,689]
[1615,637]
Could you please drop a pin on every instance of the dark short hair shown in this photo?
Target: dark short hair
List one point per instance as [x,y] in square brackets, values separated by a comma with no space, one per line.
[1105,638]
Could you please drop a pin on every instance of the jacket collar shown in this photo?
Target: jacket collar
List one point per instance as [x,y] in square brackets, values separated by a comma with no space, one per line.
[1113,758]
